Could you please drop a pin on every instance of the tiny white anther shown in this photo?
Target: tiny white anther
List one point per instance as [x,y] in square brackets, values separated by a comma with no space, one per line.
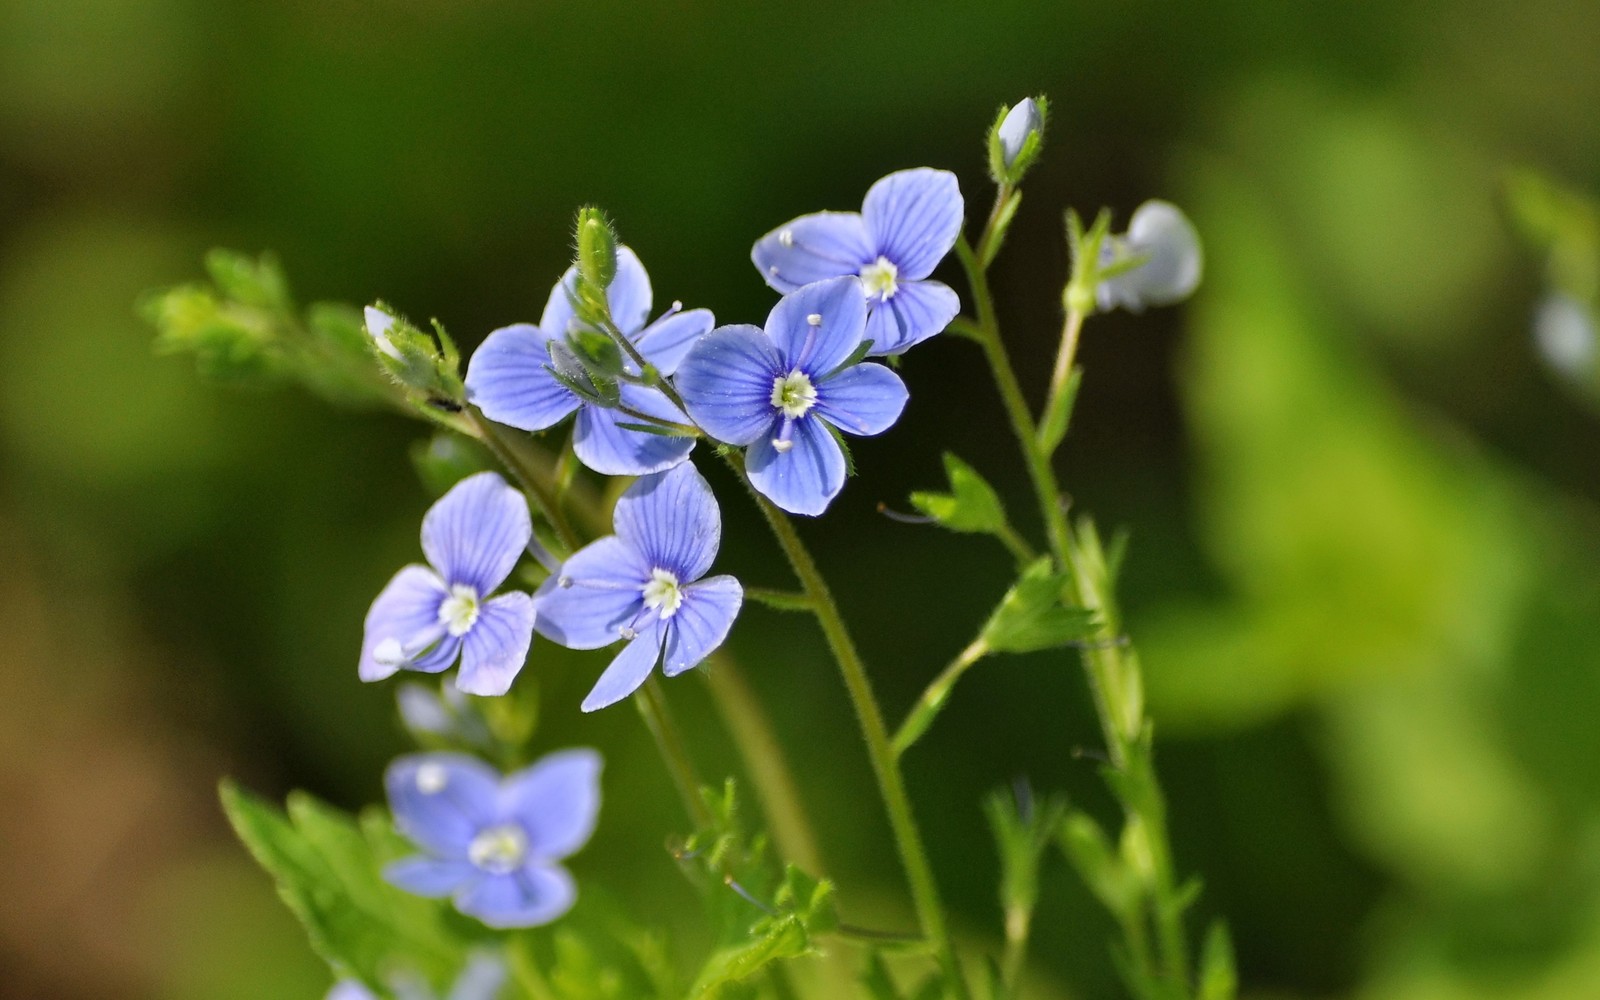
[815,319]
[773,270]
[431,778]
[627,632]
[564,582]
[786,237]
[677,305]
[781,445]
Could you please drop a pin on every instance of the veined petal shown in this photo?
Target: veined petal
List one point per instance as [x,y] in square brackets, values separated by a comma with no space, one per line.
[914,217]
[618,451]
[556,800]
[665,342]
[496,646]
[628,669]
[701,622]
[434,878]
[407,607]
[862,400]
[811,248]
[605,591]
[629,297]
[726,382]
[804,479]
[509,379]
[840,310]
[916,311]
[476,532]
[528,897]
[672,519]
[440,801]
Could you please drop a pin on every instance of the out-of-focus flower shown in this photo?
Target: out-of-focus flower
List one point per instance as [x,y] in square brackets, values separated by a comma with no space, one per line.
[1172,261]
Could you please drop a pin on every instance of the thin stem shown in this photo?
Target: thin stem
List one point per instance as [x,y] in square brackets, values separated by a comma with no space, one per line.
[913,856]
[632,351]
[534,485]
[652,702]
[779,600]
[937,693]
[1018,546]
[1019,924]
[683,430]
[1070,329]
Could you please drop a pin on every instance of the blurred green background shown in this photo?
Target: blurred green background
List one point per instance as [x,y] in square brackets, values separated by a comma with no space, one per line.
[1365,575]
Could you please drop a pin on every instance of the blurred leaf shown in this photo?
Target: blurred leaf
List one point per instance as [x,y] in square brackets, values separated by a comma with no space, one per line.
[1034,616]
[1218,981]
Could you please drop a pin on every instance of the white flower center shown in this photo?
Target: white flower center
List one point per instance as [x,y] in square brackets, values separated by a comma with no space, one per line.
[662,594]
[793,393]
[880,277]
[499,849]
[459,611]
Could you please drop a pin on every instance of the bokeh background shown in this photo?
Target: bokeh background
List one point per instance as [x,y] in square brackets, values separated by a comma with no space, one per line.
[1365,573]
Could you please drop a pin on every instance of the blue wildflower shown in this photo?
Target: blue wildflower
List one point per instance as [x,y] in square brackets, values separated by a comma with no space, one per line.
[1166,239]
[908,222]
[644,584]
[508,377]
[427,616]
[492,844]
[1019,123]
[782,390]
[482,978]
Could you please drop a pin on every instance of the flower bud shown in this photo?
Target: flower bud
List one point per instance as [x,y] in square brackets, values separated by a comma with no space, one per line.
[1164,262]
[378,326]
[1020,122]
[597,248]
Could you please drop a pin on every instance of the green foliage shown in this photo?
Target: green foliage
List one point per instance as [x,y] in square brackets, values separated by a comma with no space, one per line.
[1035,614]
[1218,980]
[1023,829]
[1563,224]
[446,458]
[327,868]
[1055,420]
[972,505]
[596,242]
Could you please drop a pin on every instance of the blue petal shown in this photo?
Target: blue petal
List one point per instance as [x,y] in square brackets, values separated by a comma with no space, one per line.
[442,800]
[406,608]
[818,348]
[914,217]
[672,519]
[349,989]
[804,479]
[629,669]
[916,311]
[605,591]
[862,400]
[617,451]
[496,647]
[629,297]
[726,382]
[433,878]
[701,623]
[483,978]
[528,897]
[665,342]
[811,248]
[509,379]
[556,800]
[476,532]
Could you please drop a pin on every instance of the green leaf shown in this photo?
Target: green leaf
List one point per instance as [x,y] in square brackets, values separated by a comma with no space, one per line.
[1218,981]
[972,505]
[1002,224]
[445,459]
[328,872]
[1033,615]
[1053,428]
[783,937]
[1087,847]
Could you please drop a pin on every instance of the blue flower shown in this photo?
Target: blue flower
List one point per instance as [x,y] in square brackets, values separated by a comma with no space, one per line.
[429,615]
[508,377]
[1167,240]
[482,978]
[644,584]
[494,845]
[908,222]
[1019,123]
[782,390]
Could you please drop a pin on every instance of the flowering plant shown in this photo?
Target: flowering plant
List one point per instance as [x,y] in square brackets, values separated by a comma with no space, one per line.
[453,889]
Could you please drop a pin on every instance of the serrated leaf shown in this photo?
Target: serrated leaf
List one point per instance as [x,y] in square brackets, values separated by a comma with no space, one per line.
[972,505]
[1033,615]
[783,937]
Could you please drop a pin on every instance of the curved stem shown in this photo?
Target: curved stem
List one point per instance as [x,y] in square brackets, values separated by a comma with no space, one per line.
[937,693]
[658,719]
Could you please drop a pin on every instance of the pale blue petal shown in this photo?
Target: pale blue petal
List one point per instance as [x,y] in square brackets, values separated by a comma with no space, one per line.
[629,297]
[701,622]
[442,800]
[528,897]
[484,976]
[629,669]
[475,533]
[1173,260]
[407,608]
[509,379]
[349,989]
[618,451]
[434,878]
[440,656]
[726,382]
[916,311]
[804,479]
[665,342]
[556,800]
[914,217]
[672,519]
[817,348]
[862,400]
[811,248]
[1020,122]
[496,647]
[605,592]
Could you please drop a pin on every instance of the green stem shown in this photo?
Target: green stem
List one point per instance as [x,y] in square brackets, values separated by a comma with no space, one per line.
[913,856]
[652,702]
[537,487]
[937,693]
[1019,923]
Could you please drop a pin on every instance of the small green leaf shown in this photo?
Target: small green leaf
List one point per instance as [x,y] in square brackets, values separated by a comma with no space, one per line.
[1033,615]
[1054,425]
[972,505]
[1087,847]
[1218,981]
[1002,225]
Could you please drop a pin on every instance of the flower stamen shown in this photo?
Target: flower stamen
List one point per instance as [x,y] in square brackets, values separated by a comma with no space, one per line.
[794,393]
[459,612]
[881,278]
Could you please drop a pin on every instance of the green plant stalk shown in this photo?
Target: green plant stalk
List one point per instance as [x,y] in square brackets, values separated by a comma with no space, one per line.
[537,487]
[935,695]
[891,785]
[1107,667]
[652,704]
